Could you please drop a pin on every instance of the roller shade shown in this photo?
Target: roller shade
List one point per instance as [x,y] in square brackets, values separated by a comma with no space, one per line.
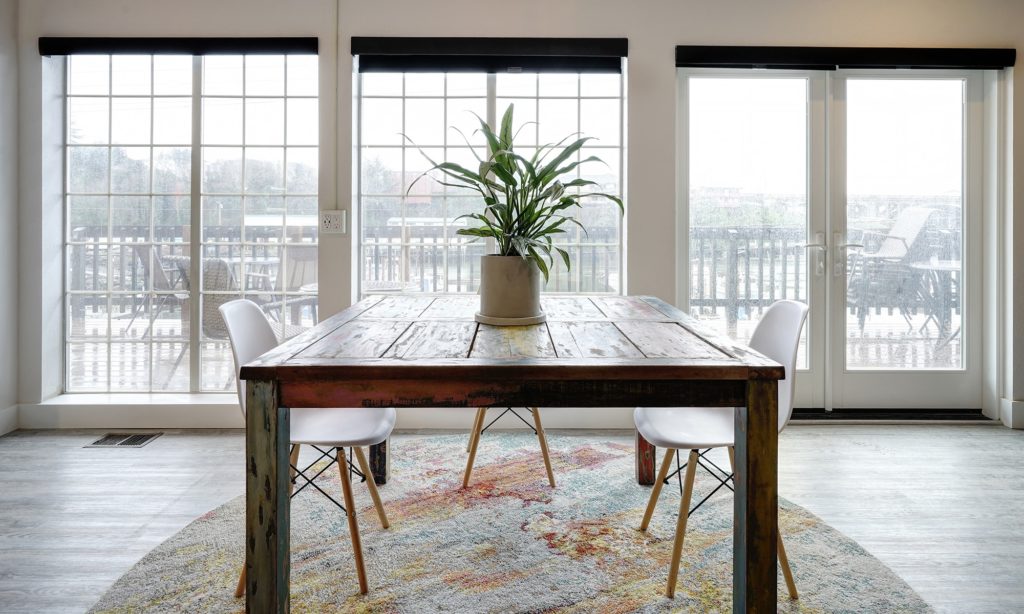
[63,45]
[427,54]
[831,58]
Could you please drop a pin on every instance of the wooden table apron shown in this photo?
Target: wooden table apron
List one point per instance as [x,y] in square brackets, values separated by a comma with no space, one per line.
[426,351]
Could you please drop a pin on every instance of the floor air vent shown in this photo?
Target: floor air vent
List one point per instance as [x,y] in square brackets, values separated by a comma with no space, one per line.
[124,440]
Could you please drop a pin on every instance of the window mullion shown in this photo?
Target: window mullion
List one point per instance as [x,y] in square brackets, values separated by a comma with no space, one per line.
[195,229]
[492,121]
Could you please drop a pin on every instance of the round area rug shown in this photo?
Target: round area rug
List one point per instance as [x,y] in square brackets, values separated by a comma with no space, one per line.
[509,543]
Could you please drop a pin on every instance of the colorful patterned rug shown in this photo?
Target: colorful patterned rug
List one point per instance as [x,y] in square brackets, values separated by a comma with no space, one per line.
[508,544]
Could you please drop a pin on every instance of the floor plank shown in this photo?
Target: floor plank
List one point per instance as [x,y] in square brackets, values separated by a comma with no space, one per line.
[939,504]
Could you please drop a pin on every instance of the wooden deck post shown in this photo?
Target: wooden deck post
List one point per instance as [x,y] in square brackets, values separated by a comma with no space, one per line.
[755,530]
[266,499]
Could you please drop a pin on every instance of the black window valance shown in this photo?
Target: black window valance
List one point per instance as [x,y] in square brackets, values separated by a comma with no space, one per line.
[67,45]
[428,54]
[831,58]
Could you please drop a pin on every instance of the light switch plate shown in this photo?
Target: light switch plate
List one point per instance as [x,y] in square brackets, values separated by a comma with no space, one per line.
[334,222]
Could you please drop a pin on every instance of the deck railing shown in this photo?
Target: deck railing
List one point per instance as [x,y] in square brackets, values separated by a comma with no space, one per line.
[744,270]
[740,270]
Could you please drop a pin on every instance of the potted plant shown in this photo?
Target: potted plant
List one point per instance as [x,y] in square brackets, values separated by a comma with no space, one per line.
[526,205]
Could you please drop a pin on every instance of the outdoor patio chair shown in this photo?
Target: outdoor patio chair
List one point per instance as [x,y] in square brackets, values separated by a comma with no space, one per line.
[879,274]
[156,278]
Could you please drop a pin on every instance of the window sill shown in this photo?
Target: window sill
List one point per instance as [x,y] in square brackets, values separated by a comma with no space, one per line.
[135,411]
[174,398]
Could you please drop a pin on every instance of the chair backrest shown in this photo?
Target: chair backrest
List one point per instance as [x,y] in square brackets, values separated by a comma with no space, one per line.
[905,232]
[301,268]
[251,336]
[777,336]
[152,270]
[217,277]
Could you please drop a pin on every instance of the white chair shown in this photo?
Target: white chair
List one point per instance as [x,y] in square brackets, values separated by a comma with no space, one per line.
[701,428]
[251,336]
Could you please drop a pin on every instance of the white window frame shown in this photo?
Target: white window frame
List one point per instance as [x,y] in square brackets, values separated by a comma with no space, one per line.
[194,342]
[492,119]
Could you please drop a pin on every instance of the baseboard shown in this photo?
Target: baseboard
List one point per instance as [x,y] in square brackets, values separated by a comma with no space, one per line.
[901,414]
[1012,413]
[8,420]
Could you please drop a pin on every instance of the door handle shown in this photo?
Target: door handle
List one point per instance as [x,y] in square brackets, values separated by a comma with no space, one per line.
[840,256]
[821,247]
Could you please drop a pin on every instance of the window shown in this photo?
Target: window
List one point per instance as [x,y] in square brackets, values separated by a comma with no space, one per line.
[162,149]
[408,237]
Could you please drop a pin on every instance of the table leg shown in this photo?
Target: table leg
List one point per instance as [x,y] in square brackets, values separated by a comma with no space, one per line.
[380,462]
[755,530]
[645,457]
[266,499]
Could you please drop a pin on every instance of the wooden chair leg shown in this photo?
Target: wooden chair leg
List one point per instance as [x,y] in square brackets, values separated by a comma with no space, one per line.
[293,459]
[656,491]
[365,468]
[684,512]
[240,589]
[473,434]
[783,559]
[786,573]
[353,525]
[543,445]
[474,440]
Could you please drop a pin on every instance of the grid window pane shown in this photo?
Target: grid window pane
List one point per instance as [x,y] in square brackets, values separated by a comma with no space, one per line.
[130,75]
[89,75]
[88,121]
[172,75]
[264,121]
[222,75]
[172,121]
[303,126]
[302,75]
[131,324]
[222,121]
[409,223]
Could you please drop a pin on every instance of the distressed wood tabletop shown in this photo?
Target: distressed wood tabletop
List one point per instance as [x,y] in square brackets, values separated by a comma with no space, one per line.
[596,337]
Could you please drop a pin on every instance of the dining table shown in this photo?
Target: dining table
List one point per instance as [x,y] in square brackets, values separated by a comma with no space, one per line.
[427,351]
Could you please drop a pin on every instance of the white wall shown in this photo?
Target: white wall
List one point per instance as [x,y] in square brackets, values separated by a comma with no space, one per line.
[8,214]
[653,28]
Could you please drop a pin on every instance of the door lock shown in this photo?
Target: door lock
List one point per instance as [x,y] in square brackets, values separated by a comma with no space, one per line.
[821,249]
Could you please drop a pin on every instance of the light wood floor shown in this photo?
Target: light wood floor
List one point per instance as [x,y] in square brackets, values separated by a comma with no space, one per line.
[942,505]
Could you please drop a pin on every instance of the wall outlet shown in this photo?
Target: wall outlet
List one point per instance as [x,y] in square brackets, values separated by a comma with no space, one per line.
[334,222]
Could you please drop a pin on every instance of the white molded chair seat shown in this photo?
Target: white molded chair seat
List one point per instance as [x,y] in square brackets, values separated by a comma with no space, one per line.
[341,427]
[686,428]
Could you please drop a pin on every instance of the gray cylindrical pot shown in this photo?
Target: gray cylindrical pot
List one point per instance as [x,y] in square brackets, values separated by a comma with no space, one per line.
[509,288]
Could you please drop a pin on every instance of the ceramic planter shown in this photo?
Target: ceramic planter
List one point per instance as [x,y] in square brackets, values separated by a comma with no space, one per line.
[509,291]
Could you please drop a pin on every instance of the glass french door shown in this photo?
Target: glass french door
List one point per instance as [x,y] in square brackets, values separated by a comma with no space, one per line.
[906,205]
[848,191]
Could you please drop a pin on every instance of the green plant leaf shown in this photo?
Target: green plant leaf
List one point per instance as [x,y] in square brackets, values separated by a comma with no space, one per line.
[525,201]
